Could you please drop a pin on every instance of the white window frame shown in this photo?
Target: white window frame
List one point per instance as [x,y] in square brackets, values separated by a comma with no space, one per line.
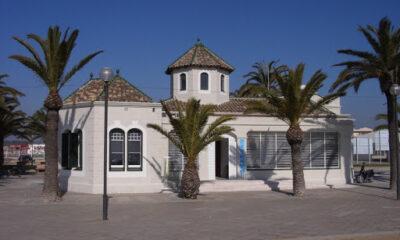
[180,83]
[140,140]
[209,85]
[222,83]
[119,167]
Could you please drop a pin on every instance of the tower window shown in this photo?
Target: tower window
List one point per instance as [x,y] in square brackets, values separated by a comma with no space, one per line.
[182,82]
[222,83]
[203,81]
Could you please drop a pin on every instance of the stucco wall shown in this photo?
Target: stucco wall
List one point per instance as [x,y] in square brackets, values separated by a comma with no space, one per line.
[90,119]
[123,116]
[213,95]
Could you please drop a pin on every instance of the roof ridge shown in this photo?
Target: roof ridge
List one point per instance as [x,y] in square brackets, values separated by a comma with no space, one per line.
[213,54]
[136,88]
[194,53]
[129,83]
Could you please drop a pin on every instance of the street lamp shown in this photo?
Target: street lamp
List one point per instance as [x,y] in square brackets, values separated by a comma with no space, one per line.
[106,74]
[395,91]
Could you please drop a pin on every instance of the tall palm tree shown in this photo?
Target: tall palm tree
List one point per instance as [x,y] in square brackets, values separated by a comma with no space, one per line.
[51,69]
[190,135]
[261,79]
[379,64]
[384,117]
[292,103]
[12,122]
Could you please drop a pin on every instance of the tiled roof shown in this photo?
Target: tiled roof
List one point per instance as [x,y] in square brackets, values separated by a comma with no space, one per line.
[234,105]
[199,56]
[120,90]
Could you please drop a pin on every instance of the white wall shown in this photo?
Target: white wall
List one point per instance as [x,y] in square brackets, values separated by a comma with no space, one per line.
[90,119]
[212,96]
[124,116]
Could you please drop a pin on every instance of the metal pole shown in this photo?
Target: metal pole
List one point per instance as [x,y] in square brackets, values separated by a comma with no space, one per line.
[397,150]
[105,197]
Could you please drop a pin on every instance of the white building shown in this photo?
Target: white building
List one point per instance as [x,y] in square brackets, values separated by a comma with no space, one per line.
[141,160]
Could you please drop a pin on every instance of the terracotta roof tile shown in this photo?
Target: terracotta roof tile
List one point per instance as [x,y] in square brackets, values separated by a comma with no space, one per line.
[120,90]
[199,56]
[234,105]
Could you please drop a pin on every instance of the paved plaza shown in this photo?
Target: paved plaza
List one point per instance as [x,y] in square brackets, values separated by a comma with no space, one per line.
[367,212]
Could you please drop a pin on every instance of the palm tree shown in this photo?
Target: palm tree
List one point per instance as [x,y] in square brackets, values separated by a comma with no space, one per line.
[261,79]
[56,51]
[291,102]
[12,122]
[379,64]
[6,92]
[190,136]
[383,116]
[36,126]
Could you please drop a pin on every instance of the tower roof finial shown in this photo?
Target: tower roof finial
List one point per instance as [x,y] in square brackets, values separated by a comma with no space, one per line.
[198,41]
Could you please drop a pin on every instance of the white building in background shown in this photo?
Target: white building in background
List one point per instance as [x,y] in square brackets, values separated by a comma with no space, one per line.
[141,160]
[370,146]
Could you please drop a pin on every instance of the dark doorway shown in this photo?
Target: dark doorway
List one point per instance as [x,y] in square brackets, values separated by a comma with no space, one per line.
[222,158]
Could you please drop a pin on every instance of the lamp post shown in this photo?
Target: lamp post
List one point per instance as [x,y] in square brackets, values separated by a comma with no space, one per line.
[395,91]
[106,74]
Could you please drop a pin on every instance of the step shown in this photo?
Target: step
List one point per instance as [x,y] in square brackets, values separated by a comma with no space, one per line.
[234,185]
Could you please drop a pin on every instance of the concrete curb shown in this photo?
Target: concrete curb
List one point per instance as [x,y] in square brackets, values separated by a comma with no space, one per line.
[387,235]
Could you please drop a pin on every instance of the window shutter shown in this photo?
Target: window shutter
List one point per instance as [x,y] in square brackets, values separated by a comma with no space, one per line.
[253,150]
[317,150]
[284,155]
[305,150]
[73,151]
[332,148]
[268,155]
[175,163]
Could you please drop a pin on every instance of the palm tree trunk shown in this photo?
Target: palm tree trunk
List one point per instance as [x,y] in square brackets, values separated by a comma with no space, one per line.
[393,138]
[294,136]
[51,188]
[1,150]
[190,182]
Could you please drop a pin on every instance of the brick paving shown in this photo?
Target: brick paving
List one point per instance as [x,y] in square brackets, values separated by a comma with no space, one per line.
[322,214]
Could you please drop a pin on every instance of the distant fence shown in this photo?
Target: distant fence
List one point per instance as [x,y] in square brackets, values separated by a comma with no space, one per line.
[371,148]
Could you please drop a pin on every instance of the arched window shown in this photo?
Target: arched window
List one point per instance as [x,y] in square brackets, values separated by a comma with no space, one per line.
[135,149]
[117,149]
[203,81]
[182,78]
[222,83]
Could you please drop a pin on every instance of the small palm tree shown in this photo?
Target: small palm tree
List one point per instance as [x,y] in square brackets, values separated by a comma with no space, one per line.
[380,64]
[291,103]
[12,122]
[56,51]
[6,92]
[36,126]
[261,79]
[190,135]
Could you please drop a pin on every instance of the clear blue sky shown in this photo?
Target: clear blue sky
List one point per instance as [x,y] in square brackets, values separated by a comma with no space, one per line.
[142,38]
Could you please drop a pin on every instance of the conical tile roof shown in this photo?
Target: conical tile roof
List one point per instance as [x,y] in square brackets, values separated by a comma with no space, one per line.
[120,90]
[199,56]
